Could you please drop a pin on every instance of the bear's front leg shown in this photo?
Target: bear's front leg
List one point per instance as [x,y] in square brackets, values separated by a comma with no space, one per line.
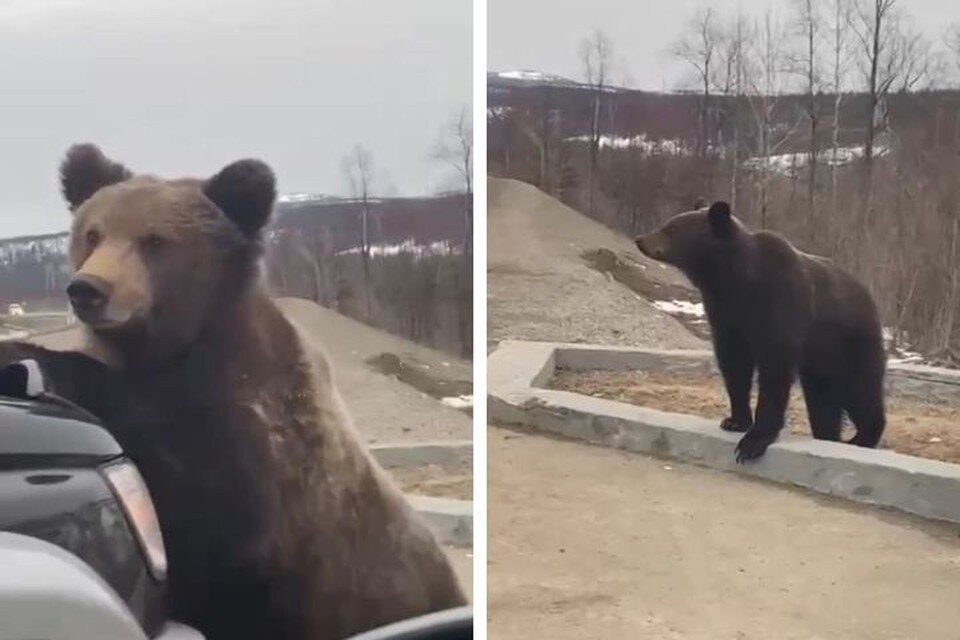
[775,379]
[69,374]
[736,363]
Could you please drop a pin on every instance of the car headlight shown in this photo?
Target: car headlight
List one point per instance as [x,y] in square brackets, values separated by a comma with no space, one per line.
[131,491]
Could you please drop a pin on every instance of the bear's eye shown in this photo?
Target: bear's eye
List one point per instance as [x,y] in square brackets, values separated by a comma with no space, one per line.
[154,242]
[92,238]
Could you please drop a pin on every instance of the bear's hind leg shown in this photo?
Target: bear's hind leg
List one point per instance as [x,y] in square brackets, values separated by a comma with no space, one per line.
[864,405]
[736,364]
[823,409]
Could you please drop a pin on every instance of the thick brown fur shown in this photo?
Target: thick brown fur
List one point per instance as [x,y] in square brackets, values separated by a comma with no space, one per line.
[779,313]
[277,522]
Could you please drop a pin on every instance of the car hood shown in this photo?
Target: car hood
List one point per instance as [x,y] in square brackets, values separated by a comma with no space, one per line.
[43,428]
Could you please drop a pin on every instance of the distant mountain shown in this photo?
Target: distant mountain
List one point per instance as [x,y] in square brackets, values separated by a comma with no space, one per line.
[393,221]
[36,267]
[544,101]
[529,78]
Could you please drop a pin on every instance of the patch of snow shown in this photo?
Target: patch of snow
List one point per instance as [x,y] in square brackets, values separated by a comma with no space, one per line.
[901,350]
[458,402]
[680,307]
[671,147]
[789,163]
[522,74]
[408,246]
[296,197]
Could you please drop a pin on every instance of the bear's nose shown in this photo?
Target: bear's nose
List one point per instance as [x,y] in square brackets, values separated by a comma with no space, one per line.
[88,293]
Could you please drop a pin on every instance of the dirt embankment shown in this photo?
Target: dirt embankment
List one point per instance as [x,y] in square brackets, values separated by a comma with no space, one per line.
[915,428]
[545,282]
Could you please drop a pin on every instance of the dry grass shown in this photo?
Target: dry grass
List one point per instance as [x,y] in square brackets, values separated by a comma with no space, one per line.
[437,481]
[918,429]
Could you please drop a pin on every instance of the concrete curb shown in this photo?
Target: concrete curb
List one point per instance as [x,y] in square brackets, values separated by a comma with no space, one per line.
[419,454]
[517,371]
[451,520]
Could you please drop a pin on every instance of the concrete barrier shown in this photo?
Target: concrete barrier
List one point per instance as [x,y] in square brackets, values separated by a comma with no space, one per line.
[419,454]
[518,371]
[451,520]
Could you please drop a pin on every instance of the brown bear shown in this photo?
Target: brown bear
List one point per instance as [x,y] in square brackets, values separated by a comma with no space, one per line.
[779,312]
[276,520]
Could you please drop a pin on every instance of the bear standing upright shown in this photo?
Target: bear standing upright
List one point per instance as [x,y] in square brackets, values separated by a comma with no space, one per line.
[780,313]
[276,520]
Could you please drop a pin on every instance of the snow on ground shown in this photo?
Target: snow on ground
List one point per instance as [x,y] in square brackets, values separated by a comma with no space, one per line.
[530,76]
[408,246]
[639,141]
[787,163]
[901,349]
[527,75]
[680,307]
[458,402]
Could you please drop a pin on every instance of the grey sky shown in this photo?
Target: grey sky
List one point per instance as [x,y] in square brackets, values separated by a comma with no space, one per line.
[545,35]
[177,87]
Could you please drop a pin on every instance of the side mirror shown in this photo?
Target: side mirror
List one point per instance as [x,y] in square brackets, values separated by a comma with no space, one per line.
[452,624]
[22,380]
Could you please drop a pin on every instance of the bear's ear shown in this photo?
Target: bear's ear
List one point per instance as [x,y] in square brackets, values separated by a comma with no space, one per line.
[244,191]
[85,170]
[719,217]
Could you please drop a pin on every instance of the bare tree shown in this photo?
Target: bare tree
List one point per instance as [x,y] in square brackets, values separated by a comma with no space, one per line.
[839,48]
[870,22]
[952,40]
[893,58]
[733,43]
[315,246]
[766,77]
[808,24]
[456,149]
[698,48]
[358,167]
[595,55]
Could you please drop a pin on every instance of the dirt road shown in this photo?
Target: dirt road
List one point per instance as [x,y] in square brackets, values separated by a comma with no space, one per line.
[462,560]
[593,543]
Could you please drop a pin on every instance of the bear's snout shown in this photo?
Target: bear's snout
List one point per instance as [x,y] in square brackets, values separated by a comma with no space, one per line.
[88,296]
[649,247]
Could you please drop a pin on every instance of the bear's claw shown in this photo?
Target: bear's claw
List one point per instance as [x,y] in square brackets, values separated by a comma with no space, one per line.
[753,445]
[728,424]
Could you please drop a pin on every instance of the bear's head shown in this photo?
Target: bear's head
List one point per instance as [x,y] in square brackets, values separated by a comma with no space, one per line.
[157,261]
[696,241]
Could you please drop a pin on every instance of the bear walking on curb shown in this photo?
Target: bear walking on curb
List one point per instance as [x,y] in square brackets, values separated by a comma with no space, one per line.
[276,520]
[780,313]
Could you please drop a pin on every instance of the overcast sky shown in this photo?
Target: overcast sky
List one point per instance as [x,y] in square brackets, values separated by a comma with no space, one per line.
[545,35]
[180,87]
